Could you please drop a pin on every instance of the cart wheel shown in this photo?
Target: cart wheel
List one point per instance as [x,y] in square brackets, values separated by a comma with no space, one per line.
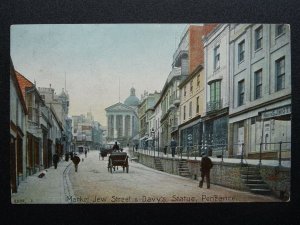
[127,168]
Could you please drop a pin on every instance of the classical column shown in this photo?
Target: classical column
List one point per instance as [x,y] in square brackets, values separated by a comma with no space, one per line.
[115,126]
[129,127]
[123,119]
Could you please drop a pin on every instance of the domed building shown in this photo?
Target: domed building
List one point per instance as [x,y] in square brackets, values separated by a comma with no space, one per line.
[132,100]
[122,120]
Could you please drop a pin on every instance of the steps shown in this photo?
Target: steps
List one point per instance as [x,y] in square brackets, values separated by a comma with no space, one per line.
[183,169]
[158,164]
[251,177]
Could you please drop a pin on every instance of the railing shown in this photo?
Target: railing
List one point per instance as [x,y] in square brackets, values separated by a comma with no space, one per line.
[214,105]
[268,147]
[219,151]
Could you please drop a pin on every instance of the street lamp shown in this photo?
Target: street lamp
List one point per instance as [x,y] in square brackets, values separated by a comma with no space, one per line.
[153,138]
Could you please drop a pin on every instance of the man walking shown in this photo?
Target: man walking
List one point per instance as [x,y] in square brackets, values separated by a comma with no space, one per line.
[173,146]
[206,165]
[76,161]
[55,160]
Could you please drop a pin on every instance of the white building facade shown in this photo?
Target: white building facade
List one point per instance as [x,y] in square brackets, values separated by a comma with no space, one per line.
[260,90]
[216,66]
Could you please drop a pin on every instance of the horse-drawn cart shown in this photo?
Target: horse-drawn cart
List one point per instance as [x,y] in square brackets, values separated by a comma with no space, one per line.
[118,159]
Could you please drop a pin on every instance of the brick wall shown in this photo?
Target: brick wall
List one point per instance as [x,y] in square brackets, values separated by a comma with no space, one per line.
[196,54]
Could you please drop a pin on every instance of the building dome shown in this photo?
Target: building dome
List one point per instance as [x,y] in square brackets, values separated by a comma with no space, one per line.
[132,100]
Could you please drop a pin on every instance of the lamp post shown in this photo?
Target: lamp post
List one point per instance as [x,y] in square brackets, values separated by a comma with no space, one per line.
[153,139]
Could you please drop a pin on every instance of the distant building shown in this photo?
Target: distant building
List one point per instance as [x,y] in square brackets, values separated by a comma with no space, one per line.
[122,120]
[60,104]
[86,131]
[146,118]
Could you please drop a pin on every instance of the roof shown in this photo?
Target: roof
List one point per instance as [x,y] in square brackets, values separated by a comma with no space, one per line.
[18,89]
[119,107]
[23,82]
[132,100]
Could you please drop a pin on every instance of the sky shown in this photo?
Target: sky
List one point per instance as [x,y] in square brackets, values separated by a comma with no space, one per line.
[94,59]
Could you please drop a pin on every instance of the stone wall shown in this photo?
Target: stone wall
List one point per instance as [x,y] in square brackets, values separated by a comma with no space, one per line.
[227,174]
[278,179]
[224,174]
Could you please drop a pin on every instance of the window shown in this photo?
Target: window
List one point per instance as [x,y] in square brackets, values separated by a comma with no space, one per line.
[198,80]
[258,38]
[191,86]
[280,73]
[215,91]
[197,108]
[217,57]
[241,91]
[241,50]
[279,29]
[184,90]
[183,112]
[190,109]
[258,84]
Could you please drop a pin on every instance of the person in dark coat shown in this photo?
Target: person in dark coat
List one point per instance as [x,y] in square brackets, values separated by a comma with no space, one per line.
[85,152]
[76,161]
[173,146]
[206,165]
[55,160]
[116,147]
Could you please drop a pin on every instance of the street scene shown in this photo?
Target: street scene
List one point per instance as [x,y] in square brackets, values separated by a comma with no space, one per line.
[94,184]
[150,113]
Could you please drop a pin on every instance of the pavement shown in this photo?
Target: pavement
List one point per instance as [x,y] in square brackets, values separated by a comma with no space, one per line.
[51,189]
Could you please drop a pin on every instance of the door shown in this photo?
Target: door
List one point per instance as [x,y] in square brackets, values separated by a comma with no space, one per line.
[240,140]
[13,177]
[266,140]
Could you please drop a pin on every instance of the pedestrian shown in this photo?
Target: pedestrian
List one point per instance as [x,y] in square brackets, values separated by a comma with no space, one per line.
[76,161]
[173,146]
[165,149]
[206,165]
[55,160]
[116,147]
[85,152]
[136,147]
[71,155]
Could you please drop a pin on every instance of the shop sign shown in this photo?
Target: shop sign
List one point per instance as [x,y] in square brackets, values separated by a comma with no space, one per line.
[276,112]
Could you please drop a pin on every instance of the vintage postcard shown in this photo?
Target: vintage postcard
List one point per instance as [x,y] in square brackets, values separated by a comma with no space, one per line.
[150,113]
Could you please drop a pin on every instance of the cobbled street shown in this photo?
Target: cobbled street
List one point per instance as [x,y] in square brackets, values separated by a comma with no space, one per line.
[94,184]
